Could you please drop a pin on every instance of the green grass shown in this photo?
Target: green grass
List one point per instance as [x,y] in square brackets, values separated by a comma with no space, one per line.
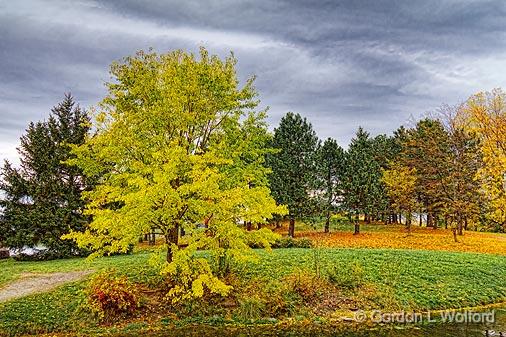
[129,264]
[415,279]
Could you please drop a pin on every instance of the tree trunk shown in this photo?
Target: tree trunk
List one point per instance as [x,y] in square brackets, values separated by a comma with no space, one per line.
[357,226]
[171,237]
[430,220]
[460,228]
[152,238]
[291,228]
[454,231]
[465,223]
[408,223]
[248,226]
[420,219]
[259,226]
[327,223]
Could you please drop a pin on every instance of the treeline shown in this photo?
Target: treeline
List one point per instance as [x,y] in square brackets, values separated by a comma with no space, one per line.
[178,143]
[447,170]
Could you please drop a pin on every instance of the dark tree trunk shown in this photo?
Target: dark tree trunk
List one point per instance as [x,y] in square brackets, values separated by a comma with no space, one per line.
[430,220]
[291,228]
[465,223]
[249,226]
[454,231]
[357,226]
[259,226]
[152,238]
[327,223]
[172,237]
[460,227]
[420,219]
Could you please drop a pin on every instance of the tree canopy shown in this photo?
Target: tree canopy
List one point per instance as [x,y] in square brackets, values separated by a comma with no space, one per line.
[178,144]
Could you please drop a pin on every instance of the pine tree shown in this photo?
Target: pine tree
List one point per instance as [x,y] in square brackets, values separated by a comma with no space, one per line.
[330,171]
[362,185]
[42,198]
[293,177]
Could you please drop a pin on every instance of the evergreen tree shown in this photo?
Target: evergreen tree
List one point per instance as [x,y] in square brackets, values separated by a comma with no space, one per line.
[293,177]
[330,170]
[42,198]
[362,184]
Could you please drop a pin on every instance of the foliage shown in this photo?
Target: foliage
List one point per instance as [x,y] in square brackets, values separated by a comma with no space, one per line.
[330,166]
[289,242]
[42,199]
[486,113]
[362,187]
[293,176]
[400,182]
[110,296]
[178,144]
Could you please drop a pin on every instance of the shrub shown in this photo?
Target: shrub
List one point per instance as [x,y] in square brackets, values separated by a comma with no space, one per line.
[347,276]
[110,296]
[288,242]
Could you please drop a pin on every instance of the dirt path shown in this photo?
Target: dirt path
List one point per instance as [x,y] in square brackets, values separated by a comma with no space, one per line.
[35,283]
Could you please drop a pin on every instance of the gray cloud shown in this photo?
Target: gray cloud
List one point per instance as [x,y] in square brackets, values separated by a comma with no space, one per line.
[340,63]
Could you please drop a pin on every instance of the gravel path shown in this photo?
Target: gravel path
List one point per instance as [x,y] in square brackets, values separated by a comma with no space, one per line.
[29,284]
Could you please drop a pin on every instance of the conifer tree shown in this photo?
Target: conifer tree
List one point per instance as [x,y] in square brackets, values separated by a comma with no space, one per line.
[330,164]
[293,177]
[362,178]
[42,198]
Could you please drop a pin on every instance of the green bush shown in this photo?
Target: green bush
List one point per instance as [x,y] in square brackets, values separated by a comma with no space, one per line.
[288,242]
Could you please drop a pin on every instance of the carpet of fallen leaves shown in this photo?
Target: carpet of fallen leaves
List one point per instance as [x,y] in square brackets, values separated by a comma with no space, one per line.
[421,238]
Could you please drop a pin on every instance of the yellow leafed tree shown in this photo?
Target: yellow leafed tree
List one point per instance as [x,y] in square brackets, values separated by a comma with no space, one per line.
[486,113]
[179,148]
[400,182]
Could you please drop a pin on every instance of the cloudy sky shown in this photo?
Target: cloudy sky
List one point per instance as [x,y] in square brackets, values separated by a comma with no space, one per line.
[342,64]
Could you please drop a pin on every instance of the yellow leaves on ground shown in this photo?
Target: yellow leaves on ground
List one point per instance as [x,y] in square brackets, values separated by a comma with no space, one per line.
[421,238]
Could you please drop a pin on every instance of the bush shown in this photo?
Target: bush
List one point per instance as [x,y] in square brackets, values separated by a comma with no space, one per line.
[347,276]
[288,242]
[110,296]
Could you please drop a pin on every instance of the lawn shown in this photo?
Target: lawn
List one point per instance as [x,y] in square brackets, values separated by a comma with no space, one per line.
[398,279]
[130,264]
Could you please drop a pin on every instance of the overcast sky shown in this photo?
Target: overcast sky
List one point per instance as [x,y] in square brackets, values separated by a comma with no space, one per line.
[342,64]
